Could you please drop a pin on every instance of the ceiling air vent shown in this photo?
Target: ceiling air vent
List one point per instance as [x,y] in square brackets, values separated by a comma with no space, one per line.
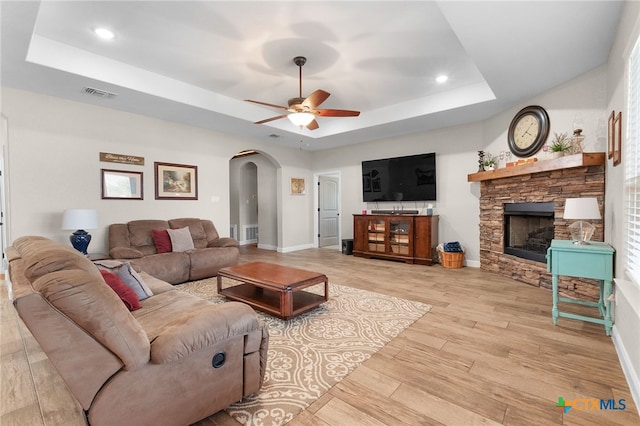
[99,93]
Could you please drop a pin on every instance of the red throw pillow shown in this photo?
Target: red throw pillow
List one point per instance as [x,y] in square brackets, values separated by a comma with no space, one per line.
[162,240]
[128,296]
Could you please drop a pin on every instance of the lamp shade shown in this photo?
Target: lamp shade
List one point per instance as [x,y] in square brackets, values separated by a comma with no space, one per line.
[79,219]
[581,208]
[301,118]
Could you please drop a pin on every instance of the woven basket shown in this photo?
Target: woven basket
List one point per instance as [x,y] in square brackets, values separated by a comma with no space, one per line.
[451,259]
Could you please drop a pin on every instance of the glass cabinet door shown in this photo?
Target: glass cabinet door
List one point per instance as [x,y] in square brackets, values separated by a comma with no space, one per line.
[399,232]
[376,229]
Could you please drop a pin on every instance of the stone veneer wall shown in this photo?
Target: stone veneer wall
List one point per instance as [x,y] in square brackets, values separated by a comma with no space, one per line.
[556,186]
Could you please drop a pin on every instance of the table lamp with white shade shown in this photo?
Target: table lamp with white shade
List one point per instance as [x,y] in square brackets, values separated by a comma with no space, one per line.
[80,219]
[581,209]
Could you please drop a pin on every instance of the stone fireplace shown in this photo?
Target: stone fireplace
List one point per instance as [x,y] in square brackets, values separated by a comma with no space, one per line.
[548,183]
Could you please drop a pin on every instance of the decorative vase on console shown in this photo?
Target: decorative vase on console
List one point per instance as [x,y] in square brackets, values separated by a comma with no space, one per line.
[481,161]
[578,137]
[576,142]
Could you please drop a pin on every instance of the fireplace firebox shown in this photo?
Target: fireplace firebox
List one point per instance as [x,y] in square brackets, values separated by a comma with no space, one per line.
[528,229]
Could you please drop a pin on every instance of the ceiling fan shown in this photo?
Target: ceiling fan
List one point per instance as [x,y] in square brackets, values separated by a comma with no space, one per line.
[303,111]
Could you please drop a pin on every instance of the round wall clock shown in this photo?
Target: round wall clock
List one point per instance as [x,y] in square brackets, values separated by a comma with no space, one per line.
[528,131]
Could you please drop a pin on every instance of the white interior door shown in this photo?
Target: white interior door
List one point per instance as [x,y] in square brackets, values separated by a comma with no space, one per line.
[328,211]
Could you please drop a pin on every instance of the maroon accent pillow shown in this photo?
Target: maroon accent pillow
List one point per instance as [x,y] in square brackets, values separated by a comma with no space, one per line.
[128,296]
[162,240]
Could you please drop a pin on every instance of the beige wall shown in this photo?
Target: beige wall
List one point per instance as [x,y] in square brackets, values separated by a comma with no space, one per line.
[53,164]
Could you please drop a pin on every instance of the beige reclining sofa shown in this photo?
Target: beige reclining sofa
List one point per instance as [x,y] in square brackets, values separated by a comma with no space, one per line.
[134,241]
[173,361]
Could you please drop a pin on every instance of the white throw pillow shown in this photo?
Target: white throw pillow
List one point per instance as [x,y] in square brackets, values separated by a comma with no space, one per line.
[181,239]
[128,275]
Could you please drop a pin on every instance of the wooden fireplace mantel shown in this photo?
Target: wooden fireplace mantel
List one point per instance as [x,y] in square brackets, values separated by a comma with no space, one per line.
[584,159]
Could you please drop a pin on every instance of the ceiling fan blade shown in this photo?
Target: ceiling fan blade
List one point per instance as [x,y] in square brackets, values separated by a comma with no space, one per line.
[313,125]
[315,99]
[336,113]
[278,117]
[267,104]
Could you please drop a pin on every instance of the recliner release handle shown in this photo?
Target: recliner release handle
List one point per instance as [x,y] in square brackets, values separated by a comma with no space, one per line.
[218,360]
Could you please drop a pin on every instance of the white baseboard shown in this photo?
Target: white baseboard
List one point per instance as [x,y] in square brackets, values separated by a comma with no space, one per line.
[633,379]
[266,246]
[472,263]
[294,248]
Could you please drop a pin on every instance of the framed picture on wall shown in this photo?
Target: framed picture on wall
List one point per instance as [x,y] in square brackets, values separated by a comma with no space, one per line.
[176,181]
[617,131]
[610,135]
[121,185]
[297,186]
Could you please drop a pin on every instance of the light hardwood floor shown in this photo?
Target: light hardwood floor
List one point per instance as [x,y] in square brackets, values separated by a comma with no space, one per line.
[487,353]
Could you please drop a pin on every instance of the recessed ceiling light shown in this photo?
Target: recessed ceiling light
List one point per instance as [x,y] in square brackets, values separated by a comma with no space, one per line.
[104,33]
[442,78]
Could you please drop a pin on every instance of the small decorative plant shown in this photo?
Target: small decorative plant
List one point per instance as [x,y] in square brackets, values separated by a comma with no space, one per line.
[560,143]
[490,162]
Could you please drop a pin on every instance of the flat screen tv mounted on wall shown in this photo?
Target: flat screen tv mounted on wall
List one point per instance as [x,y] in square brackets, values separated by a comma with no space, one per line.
[410,178]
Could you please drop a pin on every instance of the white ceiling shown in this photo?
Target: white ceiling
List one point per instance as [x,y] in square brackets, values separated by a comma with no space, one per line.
[195,62]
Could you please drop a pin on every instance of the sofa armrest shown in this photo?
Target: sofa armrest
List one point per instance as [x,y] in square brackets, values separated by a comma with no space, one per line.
[223,242]
[125,253]
[202,328]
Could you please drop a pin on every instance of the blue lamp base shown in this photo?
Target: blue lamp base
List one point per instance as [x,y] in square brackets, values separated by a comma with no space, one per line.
[80,240]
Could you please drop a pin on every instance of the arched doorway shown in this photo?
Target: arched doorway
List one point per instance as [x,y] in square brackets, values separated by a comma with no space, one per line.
[253,199]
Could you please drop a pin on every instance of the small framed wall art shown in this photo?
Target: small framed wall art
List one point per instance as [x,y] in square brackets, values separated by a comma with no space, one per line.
[610,135]
[121,185]
[617,131]
[297,186]
[176,181]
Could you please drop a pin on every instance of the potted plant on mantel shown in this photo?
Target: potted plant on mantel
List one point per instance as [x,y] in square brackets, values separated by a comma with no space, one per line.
[490,162]
[560,144]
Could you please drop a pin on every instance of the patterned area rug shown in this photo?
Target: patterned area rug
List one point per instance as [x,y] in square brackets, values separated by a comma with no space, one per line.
[311,353]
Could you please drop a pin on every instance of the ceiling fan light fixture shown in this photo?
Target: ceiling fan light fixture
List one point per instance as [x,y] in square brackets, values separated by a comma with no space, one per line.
[104,33]
[301,119]
[298,110]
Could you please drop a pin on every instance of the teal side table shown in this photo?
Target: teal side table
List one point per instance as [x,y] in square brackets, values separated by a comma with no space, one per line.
[583,261]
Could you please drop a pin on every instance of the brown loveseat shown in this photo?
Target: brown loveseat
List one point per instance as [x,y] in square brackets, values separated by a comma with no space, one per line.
[175,360]
[134,241]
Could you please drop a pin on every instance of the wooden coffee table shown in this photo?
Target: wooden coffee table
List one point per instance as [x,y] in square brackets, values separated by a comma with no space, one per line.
[274,289]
